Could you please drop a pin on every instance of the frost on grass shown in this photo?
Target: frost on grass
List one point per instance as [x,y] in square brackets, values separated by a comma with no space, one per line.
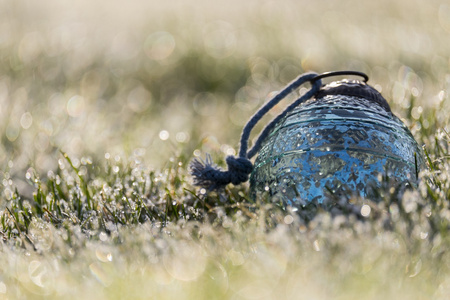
[118,229]
[244,259]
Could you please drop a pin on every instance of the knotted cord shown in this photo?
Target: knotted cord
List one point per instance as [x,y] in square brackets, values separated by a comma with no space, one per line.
[209,176]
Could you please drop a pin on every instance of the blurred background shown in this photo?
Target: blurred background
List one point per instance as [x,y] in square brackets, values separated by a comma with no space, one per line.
[158,79]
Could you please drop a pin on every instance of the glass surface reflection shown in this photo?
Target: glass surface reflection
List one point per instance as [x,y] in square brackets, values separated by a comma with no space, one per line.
[335,145]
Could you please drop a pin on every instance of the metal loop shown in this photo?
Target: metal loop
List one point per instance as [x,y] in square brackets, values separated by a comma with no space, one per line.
[339,73]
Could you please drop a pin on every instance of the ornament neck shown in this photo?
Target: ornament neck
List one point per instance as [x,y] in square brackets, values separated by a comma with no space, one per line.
[354,88]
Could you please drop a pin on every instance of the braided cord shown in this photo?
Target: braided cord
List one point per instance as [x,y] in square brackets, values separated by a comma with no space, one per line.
[268,106]
[209,176]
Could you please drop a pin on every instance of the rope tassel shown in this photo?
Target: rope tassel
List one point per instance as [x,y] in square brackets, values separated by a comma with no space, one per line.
[207,175]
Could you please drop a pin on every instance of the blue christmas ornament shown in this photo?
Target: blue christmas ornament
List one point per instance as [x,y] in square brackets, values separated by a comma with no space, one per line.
[337,140]
[338,143]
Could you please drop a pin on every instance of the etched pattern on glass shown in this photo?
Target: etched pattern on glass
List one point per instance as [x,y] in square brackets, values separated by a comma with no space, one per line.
[332,146]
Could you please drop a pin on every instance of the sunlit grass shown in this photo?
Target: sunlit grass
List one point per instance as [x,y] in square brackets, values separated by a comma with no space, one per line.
[103,105]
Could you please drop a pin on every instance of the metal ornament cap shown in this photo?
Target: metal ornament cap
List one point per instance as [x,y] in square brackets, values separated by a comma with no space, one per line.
[338,144]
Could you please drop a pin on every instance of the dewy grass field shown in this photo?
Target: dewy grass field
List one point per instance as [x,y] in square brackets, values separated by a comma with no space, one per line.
[104,104]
